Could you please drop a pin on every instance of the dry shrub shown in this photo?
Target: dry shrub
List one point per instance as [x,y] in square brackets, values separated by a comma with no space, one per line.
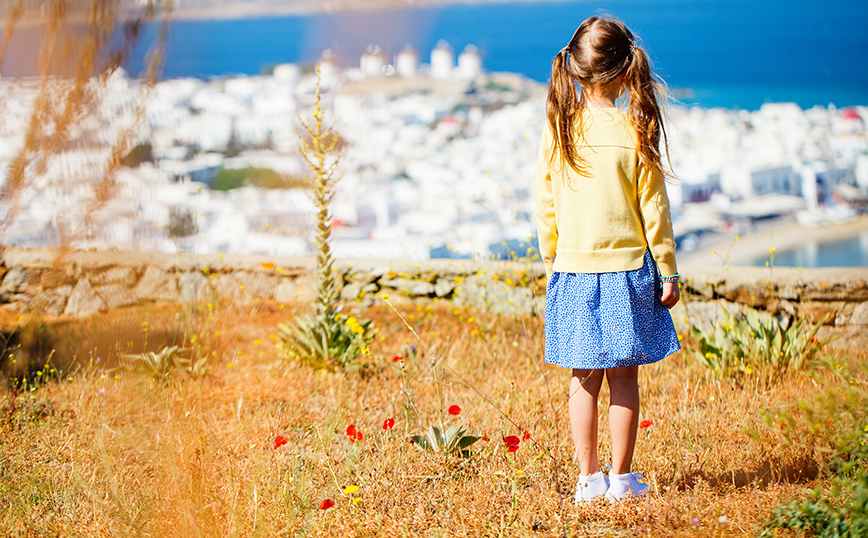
[82,44]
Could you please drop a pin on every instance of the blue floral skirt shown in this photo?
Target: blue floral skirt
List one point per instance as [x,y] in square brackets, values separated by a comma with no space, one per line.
[607,320]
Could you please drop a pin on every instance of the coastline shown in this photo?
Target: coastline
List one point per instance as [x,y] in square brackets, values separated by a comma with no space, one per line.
[228,9]
[248,9]
[781,234]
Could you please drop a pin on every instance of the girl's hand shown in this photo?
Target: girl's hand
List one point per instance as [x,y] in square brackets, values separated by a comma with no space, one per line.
[671,294]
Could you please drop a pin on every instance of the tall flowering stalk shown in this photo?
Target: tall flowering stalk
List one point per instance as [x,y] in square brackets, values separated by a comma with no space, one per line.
[327,339]
[317,152]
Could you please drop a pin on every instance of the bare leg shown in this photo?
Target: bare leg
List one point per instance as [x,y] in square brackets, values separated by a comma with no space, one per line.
[623,415]
[584,391]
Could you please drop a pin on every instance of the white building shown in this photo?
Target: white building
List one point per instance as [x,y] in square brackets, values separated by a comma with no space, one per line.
[469,63]
[407,62]
[329,69]
[373,62]
[289,73]
[442,61]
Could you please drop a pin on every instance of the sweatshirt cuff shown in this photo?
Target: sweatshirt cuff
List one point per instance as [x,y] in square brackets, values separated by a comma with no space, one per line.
[666,268]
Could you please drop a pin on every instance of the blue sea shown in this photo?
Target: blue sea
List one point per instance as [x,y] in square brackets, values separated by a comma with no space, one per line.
[845,252]
[721,53]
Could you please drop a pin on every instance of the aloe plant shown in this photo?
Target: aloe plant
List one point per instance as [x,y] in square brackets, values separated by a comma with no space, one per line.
[165,361]
[327,342]
[453,440]
[743,345]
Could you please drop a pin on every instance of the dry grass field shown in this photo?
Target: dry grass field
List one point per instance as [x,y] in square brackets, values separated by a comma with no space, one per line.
[258,446]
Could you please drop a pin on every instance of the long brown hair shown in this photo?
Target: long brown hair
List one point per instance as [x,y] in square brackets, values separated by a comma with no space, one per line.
[601,50]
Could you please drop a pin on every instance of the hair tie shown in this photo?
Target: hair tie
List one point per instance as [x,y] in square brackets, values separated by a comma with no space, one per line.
[633,46]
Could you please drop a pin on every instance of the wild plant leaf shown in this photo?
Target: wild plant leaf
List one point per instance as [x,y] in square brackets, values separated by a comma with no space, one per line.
[421,442]
[200,368]
[453,436]
[467,440]
[436,437]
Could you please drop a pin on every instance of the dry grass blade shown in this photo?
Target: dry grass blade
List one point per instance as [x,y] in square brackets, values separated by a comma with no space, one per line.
[76,61]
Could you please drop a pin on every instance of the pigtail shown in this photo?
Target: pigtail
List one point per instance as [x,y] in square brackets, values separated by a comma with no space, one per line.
[645,110]
[563,110]
[601,50]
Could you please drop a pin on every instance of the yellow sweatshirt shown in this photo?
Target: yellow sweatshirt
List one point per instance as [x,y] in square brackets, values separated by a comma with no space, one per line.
[602,222]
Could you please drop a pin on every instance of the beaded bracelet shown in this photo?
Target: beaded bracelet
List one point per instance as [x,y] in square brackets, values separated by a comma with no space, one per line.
[670,279]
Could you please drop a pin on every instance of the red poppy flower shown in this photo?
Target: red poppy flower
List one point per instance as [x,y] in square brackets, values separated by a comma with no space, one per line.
[279,441]
[512,440]
[388,424]
[397,358]
[353,433]
[454,410]
[526,436]
[326,504]
[645,424]
[485,439]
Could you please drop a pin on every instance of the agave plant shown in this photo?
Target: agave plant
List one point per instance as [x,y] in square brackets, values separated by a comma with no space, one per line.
[326,342]
[748,344]
[454,440]
[168,359]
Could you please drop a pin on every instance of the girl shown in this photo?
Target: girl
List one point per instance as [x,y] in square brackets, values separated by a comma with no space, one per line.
[604,233]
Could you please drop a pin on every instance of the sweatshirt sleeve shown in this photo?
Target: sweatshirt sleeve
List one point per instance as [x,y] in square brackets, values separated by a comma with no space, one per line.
[547,230]
[654,206]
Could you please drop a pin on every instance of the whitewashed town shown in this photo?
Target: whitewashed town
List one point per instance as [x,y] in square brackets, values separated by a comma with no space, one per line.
[437,161]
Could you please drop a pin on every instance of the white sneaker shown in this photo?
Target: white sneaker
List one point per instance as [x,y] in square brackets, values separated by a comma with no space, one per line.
[624,486]
[591,487]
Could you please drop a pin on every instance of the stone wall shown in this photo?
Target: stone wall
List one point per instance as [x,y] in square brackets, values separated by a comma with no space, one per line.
[84,283]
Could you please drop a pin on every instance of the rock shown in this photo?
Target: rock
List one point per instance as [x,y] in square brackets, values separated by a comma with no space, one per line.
[227,286]
[485,293]
[114,275]
[702,287]
[15,279]
[84,301]
[704,315]
[788,307]
[259,285]
[157,286]
[194,287]
[860,314]
[52,301]
[444,287]
[816,311]
[244,287]
[407,286]
[351,291]
[294,290]
[53,278]
[117,295]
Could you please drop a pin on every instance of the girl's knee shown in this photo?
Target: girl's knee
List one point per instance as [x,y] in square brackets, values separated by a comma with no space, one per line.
[625,374]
